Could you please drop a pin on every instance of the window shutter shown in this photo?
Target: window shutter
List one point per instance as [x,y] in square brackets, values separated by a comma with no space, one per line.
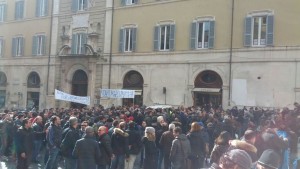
[34,45]
[121,41]
[4,12]
[21,16]
[74,5]
[156,38]
[172,37]
[2,47]
[123,2]
[44,43]
[134,39]
[211,39]
[17,10]
[84,41]
[46,7]
[74,44]
[193,35]
[85,4]
[270,30]
[22,42]
[248,32]
[37,8]
[14,47]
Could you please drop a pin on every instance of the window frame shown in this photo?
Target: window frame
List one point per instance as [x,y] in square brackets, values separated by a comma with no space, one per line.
[41,8]
[77,46]
[166,35]
[259,31]
[203,34]
[19,15]
[3,12]
[18,49]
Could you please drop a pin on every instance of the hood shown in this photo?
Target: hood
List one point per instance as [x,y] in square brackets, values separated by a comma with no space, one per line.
[120,132]
[182,137]
[243,145]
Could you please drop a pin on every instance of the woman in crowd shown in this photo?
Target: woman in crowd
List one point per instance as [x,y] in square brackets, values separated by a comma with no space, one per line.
[221,146]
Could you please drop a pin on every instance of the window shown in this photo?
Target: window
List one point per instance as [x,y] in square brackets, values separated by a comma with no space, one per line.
[17,46]
[33,80]
[41,8]
[79,5]
[259,30]
[202,34]
[164,37]
[78,43]
[127,40]
[38,45]
[128,2]
[3,79]
[19,9]
[1,47]
[2,12]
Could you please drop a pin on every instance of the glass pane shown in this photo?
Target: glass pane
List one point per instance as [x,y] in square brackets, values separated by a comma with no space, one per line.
[200,34]
[126,39]
[162,37]
[206,34]
[263,31]
[255,30]
[130,38]
[168,37]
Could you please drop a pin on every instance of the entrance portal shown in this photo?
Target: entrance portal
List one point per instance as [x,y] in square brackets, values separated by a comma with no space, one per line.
[79,86]
[134,81]
[208,89]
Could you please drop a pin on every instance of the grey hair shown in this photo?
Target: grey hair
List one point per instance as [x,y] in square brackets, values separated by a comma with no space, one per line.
[171,126]
[72,121]
[89,131]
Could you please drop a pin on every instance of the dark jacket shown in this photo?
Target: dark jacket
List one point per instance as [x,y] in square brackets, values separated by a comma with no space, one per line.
[24,141]
[69,142]
[87,152]
[105,149]
[181,148]
[54,136]
[197,144]
[119,142]
[39,134]
[134,142]
[151,153]
[217,152]
[166,142]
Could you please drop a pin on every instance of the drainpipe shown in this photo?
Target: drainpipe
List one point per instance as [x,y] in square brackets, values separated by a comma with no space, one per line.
[111,43]
[50,41]
[230,55]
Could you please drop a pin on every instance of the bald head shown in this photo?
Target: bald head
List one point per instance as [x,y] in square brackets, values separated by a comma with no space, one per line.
[101,130]
[39,119]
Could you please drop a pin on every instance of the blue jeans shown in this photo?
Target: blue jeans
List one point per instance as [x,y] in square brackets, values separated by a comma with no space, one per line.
[70,163]
[118,162]
[52,159]
[160,158]
[36,149]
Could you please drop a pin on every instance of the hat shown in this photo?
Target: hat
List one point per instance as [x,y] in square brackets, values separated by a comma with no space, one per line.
[149,130]
[239,157]
[269,158]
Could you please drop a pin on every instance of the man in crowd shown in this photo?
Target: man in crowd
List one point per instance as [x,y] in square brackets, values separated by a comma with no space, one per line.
[68,143]
[105,148]
[166,144]
[87,150]
[39,137]
[24,145]
[53,137]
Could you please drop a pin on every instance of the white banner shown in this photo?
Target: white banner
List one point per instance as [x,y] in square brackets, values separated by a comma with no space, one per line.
[59,95]
[116,93]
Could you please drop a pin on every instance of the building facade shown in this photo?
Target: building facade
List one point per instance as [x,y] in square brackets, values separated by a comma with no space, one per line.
[191,52]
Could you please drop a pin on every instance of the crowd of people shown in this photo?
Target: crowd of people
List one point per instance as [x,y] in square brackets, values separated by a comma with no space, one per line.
[119,137]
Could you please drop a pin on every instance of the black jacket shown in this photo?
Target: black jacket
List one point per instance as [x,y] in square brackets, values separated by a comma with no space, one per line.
[197,144]
[105,149]
[24,141]
[69,142]
[54,136]
[134,142]
[87,152]
[166,142]
[119,142]
[39,134]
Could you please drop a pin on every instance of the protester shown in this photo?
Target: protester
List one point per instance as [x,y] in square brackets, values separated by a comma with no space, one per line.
[105,148]
[87,150]
[134,145]
[221,146]
[180,150]
[24,145]
[54,138]
[39,137]
[235,159]
[268,160]
[151,151]
[166,144]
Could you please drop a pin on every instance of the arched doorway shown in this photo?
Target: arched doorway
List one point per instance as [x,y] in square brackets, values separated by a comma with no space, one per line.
[133,80]
[208,89]
[79,86]
[33,91]
[3,83]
